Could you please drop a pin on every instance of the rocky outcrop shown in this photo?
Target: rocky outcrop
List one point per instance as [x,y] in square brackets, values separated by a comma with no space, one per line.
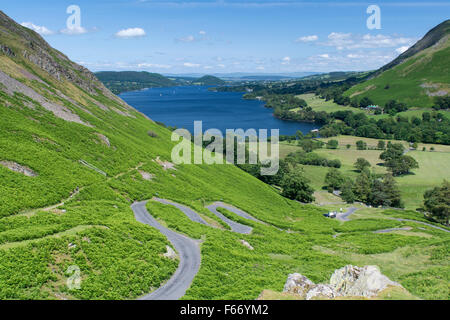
[13,86]
[349,281]
[170,254]
[104,139]
[6,50]
[354,281]
[246,244]
[145,175]
[18,168]
[298,284]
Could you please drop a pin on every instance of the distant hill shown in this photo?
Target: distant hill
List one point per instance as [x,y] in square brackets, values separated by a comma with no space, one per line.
[335,76]
[209,81]
[415,77]
[123,81]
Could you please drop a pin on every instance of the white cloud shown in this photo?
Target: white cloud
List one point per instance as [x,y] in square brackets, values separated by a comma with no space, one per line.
[74,31]
[307,39]
[39,29]
[221,65]
[324,56]
[153,65]
[207,67]
[348,41]
[401,49]
[191,65]
[286,60]
[260,68]
[130,33]
[202,32]
[189,38]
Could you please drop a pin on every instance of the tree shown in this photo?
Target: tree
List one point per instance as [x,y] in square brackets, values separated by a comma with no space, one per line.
[365,102]
[385,193]
[362,186]
[334,179]
[361,164]
[332,144]
[299,135]
[361,145]
[393,151]
[347,191]
[381,145]
[401,165]
[296,187]
[349,146]
[437,202]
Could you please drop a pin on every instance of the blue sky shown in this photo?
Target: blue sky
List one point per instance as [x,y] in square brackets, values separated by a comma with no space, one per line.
[205,36]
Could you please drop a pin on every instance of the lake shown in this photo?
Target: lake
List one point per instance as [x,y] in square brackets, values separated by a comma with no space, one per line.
[181,106]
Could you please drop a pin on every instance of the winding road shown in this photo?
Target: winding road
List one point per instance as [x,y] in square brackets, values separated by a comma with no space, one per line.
[424,223]
[235,226]
[344,216]
[188,251]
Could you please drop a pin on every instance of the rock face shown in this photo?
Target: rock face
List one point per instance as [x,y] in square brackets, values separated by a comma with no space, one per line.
[298,284]
[18,168]
[354,281]
[321,291]
[349,281]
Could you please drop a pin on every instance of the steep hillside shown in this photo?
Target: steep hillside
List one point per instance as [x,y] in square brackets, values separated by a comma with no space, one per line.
[123,81]
[416,77]
[74,158]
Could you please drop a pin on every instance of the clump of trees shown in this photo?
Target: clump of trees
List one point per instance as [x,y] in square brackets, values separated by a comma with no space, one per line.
[361,164]
[368,188]
[361,145]
[334,180]
[332,144]
[312,159]
[393,107]
[296,186]
[442,103]
[396,161]
[437,202]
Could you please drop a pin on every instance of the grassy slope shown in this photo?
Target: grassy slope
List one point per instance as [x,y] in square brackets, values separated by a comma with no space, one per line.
[405,80]
[120,258]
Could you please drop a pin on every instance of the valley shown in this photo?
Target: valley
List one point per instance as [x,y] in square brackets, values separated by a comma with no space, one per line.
[90,194]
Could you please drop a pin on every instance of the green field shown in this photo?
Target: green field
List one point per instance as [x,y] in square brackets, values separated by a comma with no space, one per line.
[95,156]
[319,104]
[434,166]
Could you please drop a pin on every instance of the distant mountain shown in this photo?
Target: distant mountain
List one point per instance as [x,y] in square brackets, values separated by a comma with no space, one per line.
[415,77]
[209,81]
[123,81]
[246,76]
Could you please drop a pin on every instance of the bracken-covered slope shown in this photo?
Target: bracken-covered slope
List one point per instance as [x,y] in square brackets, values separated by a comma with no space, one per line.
[74,158]
[415,77]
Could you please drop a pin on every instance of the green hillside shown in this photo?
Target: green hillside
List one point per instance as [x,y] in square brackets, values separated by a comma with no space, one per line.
[74,157]
[122,81]
[209,81]
[416,77]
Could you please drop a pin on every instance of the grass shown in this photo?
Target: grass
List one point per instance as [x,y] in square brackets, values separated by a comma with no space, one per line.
[319,104]
[405,80]
[125,259]
[434,166]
